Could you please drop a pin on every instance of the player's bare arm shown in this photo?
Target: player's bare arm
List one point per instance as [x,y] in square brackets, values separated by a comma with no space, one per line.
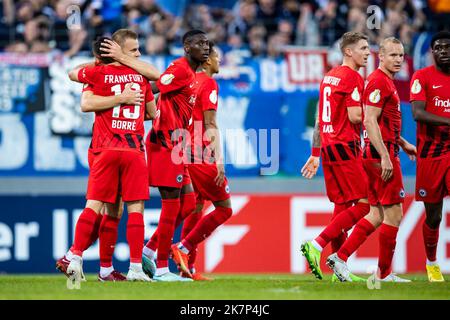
[421,115]
[409,148]
[113,50]
[355,114]
[73,74]
[150,110]
[92,103]
[311,166]
[212,132]
[374,133]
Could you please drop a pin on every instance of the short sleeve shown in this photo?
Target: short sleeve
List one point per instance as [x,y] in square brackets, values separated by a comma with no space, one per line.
[352,87]
[88,75]
[417,90]
[353,97]
[209,95]
[173,79]
[375,93]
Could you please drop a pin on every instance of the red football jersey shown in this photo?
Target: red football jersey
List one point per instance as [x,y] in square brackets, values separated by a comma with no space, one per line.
[121,127]
[380,92]
[175,104]
[342,87]
[433,87]
[207,93]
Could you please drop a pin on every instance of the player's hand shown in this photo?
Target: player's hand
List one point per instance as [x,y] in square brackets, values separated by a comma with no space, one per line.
[410,150]
[310,168]
[220,178]
[111,49]
[130,96]
[386,168]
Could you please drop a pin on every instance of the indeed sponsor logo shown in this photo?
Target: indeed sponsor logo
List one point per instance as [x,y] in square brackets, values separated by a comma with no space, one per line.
[441,103]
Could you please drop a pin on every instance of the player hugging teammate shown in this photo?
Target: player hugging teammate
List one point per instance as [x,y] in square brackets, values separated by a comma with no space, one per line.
[116,88]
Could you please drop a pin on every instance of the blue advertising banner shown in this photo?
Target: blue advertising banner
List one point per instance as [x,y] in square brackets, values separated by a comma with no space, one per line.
[37,231]
[266,120]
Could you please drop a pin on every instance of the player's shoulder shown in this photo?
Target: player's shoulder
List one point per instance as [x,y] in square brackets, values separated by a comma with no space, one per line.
[425,72]
[377,78]
[337,76]
[349,78]
[208,82]
[180,63]
[94,68]
[179,68]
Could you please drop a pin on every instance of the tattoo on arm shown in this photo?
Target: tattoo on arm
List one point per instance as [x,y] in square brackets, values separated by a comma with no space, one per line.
[316,143]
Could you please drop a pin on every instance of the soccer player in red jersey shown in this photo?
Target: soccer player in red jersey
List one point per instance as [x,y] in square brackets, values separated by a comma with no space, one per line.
[430,99]
[339,124]
[92,103]
[206,169]
[382,122]
[165,147]
[119,166]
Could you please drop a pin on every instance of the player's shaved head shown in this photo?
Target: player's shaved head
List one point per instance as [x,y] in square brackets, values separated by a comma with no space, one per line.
[351,38]
[387,41]
[98,53]
[121,35]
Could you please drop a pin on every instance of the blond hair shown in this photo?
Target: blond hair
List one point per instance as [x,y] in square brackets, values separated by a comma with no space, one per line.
[123,34]
[385,41]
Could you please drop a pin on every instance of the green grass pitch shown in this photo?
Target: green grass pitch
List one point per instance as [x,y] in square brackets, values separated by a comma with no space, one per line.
[224,287]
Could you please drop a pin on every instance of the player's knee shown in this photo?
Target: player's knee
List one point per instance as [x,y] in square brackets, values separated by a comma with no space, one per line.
[199,207]
[119,212]
[375,218]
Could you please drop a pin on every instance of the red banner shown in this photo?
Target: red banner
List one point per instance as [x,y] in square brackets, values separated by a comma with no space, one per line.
[265,232]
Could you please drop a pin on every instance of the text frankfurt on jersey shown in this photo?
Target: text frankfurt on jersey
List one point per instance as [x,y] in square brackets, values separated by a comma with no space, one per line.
[331,80]
[124,78]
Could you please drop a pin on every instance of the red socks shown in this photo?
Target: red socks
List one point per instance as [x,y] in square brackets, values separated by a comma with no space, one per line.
[189,223]
[342,223]
[94,235]
[387,242]
[84,230]
[166,227]
[362,230]
[187,203]
[206,226]
[430,239]
[339,241]
[187,206]
[135,236]
[108,237]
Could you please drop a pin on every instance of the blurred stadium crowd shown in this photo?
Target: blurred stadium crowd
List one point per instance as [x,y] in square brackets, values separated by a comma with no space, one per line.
[258,27]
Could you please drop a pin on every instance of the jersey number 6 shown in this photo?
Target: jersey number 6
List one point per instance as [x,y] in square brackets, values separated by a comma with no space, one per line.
[326,111]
